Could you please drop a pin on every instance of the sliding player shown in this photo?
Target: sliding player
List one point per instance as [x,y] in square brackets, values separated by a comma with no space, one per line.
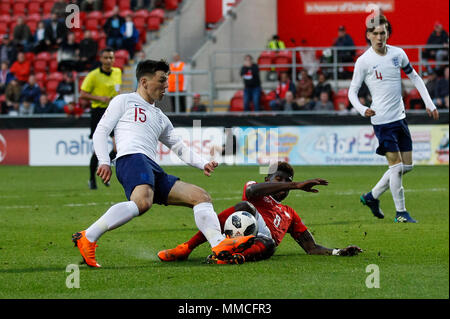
[274,220]
[380,68]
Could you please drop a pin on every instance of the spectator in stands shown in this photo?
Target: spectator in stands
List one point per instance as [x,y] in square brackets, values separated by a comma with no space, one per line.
[30,92]
[324,103]
[8,51]
[68,54]
[275,43]
[284,85]
[142,4]
[441,91]
[73,110]
[129,34]
[438,37]
[55,31]
[22,35]
[39,44]
[21,68]
[344,40]
[304,104]
[431,83]
[112,27]
[197,105]
[289,103]
[5,76]
[88,52]
[305,86]
[65,90]
[252,83]
[91,5]
[322,86]
[45,105]
[59,8]
[177,81]
[12,95]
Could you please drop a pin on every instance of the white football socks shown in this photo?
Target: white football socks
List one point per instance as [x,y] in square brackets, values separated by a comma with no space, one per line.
[208,223]
[382,185]
[395,185]
[114,217]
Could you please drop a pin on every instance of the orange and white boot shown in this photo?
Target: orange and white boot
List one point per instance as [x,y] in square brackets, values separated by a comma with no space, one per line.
[181,252]
[86,248]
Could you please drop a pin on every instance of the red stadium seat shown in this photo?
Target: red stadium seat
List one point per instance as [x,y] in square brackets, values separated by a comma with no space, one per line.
[94,15]
[95,35]
[139,22]
[124,5]
[414,101]
[55,76]
[29,56]
[237,102]
[341,97]
[123,54]
[34,7]
[53,66]
[153,22]
[119,62]
[282,57]
[19,8]
[40,66]
[5,8]
[92,24]
[46,56]
[171,5]
[158,12]
[3,28]
[108,5]
[41,79]
[142,35]
[51,86]
[47,7]
[264,59]
[124,13]
[142,13]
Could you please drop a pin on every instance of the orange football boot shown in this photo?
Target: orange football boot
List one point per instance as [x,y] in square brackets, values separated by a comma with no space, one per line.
[181,252]
[86,248]
[231,246]
[237,259]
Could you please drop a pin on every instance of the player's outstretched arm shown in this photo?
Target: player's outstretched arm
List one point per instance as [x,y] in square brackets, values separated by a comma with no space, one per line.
[307,242]
[270,188]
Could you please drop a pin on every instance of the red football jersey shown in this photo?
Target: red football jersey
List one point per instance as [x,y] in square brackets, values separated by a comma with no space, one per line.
[279,218]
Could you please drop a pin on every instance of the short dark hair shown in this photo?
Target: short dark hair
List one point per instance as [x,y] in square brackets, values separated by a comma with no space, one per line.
[151,67]
[381,20]
[283,167]
[107,49]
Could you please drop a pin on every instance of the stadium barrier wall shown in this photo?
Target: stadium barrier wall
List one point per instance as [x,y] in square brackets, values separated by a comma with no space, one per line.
[299,145]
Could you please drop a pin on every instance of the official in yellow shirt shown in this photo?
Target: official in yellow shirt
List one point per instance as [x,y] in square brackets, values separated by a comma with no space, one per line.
[99,87]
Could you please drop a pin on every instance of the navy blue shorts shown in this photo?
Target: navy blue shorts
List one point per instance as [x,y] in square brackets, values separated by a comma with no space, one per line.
[137,169]
[393,137]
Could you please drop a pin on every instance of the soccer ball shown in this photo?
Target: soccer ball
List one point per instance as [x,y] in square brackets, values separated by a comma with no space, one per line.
[240,223]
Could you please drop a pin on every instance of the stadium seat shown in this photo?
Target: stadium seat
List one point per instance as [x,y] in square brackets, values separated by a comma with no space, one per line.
[5,8]
[142,35]
[95,35]
[29,56]
[40,66]
[153,22]
[171,5]
[124,5]
[122,54]
[92,24]
[3,28]
[237,102]
[414,100]
[47,7]
[58,76]
[124,13]
[41,78]
[119,62]
[282,57]
[46,56]
[34,7]
[139,22]
[160,13]
[53,65]
[264,59]
[19,8]
[51,86]
[108,5]
[341,97]
[142,13]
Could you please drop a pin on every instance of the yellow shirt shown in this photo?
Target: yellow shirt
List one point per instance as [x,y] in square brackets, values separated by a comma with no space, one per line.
[99,84]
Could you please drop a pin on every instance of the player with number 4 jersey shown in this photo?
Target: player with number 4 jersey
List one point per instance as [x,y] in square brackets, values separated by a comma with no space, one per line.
[380,68]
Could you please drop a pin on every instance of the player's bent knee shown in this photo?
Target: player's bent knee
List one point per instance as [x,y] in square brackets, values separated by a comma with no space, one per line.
[269,247]
[143,204]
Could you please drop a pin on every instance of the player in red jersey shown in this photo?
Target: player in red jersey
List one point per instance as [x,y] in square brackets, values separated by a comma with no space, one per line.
[274,220]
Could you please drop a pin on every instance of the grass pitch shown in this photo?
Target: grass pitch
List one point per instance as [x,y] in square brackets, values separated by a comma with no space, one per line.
[40,208]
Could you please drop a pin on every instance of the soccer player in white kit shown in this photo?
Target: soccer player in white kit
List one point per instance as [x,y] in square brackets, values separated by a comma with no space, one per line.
[380,68]
[138,126]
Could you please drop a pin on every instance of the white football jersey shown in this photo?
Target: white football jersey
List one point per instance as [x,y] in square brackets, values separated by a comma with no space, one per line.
[138,127]
[382,75]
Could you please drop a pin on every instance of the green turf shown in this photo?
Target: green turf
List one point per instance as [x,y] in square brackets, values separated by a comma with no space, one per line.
[40,208]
